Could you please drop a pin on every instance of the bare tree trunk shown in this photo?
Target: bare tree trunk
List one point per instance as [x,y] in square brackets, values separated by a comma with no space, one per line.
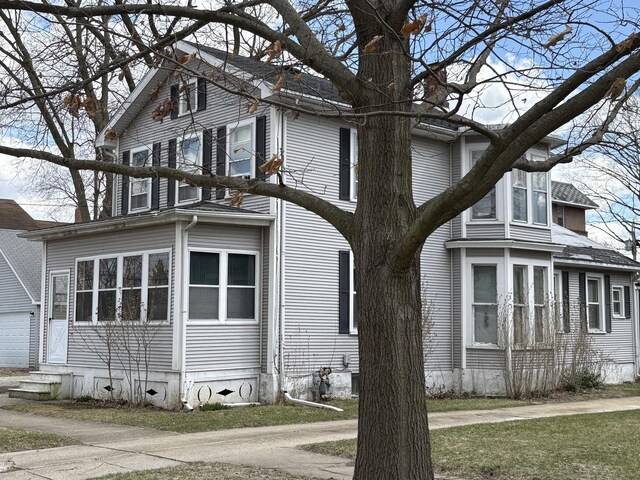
[393,433]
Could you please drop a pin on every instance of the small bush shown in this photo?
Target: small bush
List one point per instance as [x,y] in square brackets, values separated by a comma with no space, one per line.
[584,379]
[209,407]
[84,399]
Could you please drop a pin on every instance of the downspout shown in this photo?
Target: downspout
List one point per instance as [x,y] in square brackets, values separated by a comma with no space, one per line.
[183,360]
[451,267]
[282,214]
[310,404]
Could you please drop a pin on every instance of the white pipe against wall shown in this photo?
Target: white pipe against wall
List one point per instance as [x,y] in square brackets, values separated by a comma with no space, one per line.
[311,404]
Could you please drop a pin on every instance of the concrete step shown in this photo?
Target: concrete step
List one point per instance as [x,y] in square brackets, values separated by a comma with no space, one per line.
[29,394]
[45,377]
[39,386]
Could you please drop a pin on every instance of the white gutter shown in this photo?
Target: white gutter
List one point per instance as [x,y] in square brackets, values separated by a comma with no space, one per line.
[183,314]
[310,404]
[518,244]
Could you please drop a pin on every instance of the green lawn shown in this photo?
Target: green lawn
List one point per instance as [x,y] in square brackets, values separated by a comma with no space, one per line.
[266,415]
[17,440]
[588,447]
[217,471]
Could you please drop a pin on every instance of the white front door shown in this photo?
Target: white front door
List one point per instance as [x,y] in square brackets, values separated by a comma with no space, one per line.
[58,317]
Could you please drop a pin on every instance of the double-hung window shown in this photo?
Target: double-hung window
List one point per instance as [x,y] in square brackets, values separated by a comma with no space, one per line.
[485,304]
[539,304]
[519,189]
[595,304]
[140,190]
[241,151]
[530,196]
[617,303]
[529,304]
[485,209]
[520,301]
[354,164]
[223,286]
[128,287]
[188,99]
[188,159]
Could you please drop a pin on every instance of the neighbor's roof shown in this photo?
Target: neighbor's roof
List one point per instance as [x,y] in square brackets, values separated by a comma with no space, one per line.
[13,216]
[582,250]
[25,257]
[566,193]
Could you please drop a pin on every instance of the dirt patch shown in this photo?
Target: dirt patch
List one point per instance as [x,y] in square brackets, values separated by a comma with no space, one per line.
[14,372]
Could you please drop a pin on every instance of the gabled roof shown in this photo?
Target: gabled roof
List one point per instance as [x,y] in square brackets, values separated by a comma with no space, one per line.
[13,216]
[566,193]
[25,258]
[582,250]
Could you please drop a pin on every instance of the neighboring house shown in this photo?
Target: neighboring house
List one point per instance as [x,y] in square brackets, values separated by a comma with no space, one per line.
[569,207]
[243,302]
[20,274]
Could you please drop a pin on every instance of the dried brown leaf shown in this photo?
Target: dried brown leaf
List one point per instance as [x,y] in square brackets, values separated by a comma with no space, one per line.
[281,79]
[372,46]
[73,102]
[617,87]
[184,59]
[558,37]
[162,110]
[91,106]
[153,94]
[110,134]
[252,107]
[627,44]
[237,197]
[274,50]
[298,77]
[272,165]
[413,28]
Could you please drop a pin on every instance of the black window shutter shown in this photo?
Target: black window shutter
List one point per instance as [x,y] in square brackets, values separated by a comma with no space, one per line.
[582,292]
[607,302]
[627,302]
[155,183]
[221,153]
[126,155]
[175,94]
[207,143]
[171,163]
[566,313]
[202,94]
[345,164]
[261,145]
[345,291]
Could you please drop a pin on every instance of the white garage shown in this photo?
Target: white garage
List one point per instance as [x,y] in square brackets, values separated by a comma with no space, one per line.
[14,339]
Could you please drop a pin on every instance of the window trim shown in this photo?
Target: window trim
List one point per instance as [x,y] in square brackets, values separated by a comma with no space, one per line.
[133,180]
[558,303]
[601,303]
[498,263]
[623,312]
[231,127]
[223,283]
[198,197]
[536,155]
[353,177]
[352,294]
[144,287]
[183,105]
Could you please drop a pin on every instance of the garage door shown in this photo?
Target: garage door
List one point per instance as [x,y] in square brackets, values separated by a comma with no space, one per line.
[14,339]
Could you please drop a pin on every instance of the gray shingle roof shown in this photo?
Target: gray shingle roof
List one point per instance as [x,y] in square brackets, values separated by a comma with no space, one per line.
[25,257]
[596,255]
[567,193]
[295,80]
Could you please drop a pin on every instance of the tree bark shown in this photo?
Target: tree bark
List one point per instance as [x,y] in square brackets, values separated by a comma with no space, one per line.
[393,433]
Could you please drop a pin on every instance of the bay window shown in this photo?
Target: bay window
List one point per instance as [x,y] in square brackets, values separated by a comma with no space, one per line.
[519,195]
[223,286]
[539,303]
[485,304]
[485,209]
[530,196]
[520,302]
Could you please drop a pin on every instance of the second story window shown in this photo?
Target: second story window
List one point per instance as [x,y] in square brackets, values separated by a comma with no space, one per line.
[188,159]
[560,215]
[188,97]
[140,189]
[539,197]
[519,195]
[241,151]
[485,209]
[530,196]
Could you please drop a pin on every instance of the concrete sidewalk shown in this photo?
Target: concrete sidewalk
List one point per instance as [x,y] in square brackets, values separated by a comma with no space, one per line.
[112,449]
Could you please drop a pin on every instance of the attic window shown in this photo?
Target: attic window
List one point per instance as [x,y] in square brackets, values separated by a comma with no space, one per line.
[188,100]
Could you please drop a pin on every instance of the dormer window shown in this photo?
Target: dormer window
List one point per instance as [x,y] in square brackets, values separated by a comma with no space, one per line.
[188,97]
